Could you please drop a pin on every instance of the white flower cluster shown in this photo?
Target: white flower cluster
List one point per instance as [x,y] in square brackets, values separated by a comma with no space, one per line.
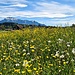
[73,50]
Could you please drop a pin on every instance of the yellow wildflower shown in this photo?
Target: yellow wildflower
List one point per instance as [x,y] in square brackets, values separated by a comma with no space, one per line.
[73,70]
[48,49]
[16,51]
[33,50]
[1,73]
[54,56]
[25,63]
[50,64]
[32,46]
[23,72]
[24,54]
[10,49]
[7,58]
[17,70]
[37,72]
[47,56]
[35,69]
[29,71]
[4,68]
[64,63]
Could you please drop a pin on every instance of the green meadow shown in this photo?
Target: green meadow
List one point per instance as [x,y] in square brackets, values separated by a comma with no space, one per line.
[38,51]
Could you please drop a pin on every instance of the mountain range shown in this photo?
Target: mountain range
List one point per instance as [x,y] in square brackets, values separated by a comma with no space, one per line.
[19,21]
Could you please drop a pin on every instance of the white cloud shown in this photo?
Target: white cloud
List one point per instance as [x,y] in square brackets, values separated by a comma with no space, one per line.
[19,5]
[55,8]
[12,1]
[41,9]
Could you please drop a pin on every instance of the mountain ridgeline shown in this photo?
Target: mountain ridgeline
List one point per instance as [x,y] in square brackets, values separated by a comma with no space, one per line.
[19,21]
[13,23]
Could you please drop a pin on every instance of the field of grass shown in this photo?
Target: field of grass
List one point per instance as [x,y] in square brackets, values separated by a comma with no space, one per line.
[38,51]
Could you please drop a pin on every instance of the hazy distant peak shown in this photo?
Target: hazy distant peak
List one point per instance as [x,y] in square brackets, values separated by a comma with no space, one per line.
[10,18]
[19,21]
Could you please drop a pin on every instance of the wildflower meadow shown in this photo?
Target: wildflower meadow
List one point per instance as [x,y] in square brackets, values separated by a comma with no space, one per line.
[37,51]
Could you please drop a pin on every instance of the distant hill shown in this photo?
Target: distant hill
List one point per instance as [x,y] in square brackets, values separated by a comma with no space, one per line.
[19,21]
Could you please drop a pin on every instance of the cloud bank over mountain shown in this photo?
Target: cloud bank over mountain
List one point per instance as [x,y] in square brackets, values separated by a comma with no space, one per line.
[44,11]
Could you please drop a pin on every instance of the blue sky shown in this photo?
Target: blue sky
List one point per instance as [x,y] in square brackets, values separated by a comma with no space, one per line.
[49,12]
